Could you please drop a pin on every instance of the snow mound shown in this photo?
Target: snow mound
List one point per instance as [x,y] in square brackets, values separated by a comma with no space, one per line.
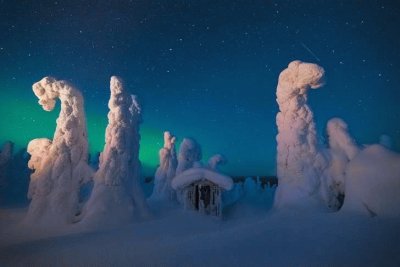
[196,174]
[373,182]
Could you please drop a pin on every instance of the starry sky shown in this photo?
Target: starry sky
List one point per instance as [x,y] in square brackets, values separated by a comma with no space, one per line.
[202,69]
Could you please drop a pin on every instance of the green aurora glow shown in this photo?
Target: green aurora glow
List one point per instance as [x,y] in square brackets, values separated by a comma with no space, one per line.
[24,120]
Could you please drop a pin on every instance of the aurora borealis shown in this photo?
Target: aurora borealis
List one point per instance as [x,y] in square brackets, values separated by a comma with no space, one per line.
[202,69]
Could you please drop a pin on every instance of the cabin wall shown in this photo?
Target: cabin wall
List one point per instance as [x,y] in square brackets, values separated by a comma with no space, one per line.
[203,196]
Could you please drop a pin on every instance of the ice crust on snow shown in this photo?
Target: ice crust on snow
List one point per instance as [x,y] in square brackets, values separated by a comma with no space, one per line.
[60,165]
[117,194]
[196,174]
[166,171]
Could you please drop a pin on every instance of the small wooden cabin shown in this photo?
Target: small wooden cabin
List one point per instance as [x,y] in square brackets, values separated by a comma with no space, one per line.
[201,189]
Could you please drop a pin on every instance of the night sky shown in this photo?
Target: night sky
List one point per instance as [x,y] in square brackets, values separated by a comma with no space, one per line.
[202,69]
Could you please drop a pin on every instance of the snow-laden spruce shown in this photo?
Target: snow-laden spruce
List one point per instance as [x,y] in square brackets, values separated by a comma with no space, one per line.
[117,196]
[215,161]
[189,154]
[342,149]
[60,165]
[299,163]
[166,171]
[5,159]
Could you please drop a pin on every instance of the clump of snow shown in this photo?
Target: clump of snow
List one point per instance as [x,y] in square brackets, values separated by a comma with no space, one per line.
[215,161]
[166,171]
[117,193]
[60,165]
[373,182]
[196,174]
[189,153]
[299,161]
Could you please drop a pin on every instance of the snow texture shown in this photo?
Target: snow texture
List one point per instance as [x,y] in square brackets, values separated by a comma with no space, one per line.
[60,165]
[197,174]
[299,163]
[189,153]
[166,171]
[373,183]
[117,196]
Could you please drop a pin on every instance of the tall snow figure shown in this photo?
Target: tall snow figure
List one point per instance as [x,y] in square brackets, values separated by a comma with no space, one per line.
[299,165]
[60,165]
[117,194]
[166,171]
[342,149]
[189,154]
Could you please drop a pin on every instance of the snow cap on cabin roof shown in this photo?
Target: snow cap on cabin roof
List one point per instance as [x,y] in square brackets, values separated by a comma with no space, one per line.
[197,174]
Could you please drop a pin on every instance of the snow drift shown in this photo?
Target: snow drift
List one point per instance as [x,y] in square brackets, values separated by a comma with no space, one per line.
[117,195]
[60,165]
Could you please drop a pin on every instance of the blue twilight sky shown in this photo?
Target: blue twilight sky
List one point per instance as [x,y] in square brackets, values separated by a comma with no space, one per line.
[203,69]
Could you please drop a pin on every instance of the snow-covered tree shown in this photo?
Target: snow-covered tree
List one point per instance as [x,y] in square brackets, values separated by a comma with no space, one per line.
[342,149]
[299,163]
[189,154]
[215,161]
[373,183]
[60,165]
[166,171]
[117,195]
[6,154]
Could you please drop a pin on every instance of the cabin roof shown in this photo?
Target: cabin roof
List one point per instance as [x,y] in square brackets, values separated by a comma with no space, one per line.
[192,175]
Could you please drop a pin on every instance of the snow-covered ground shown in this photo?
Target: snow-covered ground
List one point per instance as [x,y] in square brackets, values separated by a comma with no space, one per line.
[250,234]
